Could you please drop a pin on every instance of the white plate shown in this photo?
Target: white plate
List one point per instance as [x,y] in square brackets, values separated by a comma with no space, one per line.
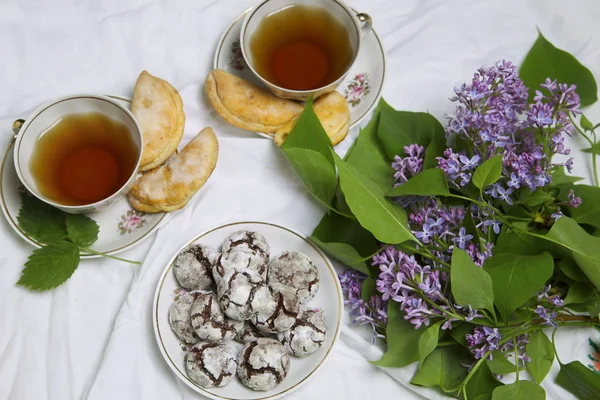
[329,299]
[121,227]
[361,88]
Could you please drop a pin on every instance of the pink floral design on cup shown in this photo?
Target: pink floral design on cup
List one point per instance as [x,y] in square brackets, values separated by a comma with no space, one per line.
[131,221]
[357,89]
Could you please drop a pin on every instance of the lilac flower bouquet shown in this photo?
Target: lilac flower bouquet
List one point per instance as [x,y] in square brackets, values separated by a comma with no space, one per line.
[468,243]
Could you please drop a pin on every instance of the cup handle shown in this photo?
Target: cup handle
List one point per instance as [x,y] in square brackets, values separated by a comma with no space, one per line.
[366,23]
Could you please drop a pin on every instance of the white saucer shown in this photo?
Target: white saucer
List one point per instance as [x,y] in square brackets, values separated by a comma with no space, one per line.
[121,227]
[361,88]
[329,301]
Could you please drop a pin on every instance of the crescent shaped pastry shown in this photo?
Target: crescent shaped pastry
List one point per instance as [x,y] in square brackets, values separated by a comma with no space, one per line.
[246,106]
[334,114]
[170,186]
[158,108]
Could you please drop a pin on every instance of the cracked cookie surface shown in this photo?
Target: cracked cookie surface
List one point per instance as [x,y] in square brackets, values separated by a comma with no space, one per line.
[210,364]
[263,364]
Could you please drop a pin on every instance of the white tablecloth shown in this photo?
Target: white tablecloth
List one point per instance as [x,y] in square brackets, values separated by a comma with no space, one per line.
[92,337]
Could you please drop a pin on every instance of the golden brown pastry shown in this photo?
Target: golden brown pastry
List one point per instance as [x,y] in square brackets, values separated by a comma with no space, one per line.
[171,186]
[246,106]
[158,109]
[334,114]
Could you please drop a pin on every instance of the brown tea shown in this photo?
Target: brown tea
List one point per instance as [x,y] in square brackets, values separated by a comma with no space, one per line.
[301,48]
[82,159]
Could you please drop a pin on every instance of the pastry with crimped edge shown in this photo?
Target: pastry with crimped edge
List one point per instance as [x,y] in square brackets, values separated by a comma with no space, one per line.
[246,106]
[158,109]
[172,185]
[333,113]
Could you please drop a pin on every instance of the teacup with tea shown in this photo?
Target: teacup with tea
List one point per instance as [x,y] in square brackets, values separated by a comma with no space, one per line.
[302,48]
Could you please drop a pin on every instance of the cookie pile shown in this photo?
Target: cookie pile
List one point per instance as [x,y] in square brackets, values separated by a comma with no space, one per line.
[243,295]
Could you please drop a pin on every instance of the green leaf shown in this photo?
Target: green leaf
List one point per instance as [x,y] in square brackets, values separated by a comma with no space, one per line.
[40,221]
[403,128]
[570,269]
[470,226]
[579,380]
[484,397]
[430,182]
[471,285]
[435,148]
[459,330]
[499,365]
[482,383]
[82,230]
[594,149]
[308,133]
[344,253]
[50,266]
[541,352]
[315,171]
[580,292]
[585,123]
[368,289]
[588,211]
[544,60]
[334,228]
[534,199]
[442,368]
[520,390]
[488,172]
[368,203]
[523,244]
[402,340]
[516,278]
[428,341]
[583,248]
[368,156]
[559,177]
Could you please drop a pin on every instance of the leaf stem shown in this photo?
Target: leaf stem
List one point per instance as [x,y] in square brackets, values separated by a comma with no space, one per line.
[554,345]
[88,250]
[592,145]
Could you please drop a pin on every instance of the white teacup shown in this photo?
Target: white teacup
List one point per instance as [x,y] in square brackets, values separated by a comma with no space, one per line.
[46,116]
[357,25]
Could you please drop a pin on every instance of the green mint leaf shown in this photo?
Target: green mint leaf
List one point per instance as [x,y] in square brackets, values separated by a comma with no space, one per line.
[442,368]
[344,253]
[541,352]
[471,285]
[386,221]
[367,154]
[42,222]
[429,182]
[315,171]
[520,390]
[585,123]
[499,365]
[546,61]
[403,128]
[482,383]
[579,380]
[308,133]
[488,172]
[516,278]
[82,230]
[50,266]
[402,340]
[428,341]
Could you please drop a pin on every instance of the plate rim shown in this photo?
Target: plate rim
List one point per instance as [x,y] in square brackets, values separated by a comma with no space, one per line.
[359,119]
[167,270]
[14,225]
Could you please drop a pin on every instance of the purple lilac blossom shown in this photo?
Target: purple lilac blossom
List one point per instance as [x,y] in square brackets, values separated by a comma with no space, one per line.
[546,310]
[372,313]
[508,350]
[482,340]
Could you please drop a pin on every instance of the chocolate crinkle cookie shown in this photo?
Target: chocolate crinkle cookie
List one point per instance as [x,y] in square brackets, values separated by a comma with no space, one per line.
[179,317]
[242,294]
[209,321]
[210,364]
[306,334]
[237,260]
[278,315]
[248,241]
[263,364]
[293,275]
[193,266]
[247,332]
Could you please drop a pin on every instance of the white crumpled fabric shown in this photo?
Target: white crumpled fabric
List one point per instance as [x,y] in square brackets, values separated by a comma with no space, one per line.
[92,337]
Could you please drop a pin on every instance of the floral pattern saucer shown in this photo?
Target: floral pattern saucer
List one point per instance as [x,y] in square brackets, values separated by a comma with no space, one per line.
[121,227]
[361,88]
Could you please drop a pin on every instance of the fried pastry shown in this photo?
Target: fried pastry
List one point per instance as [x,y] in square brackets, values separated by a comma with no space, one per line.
[334,114]
[158,109]
[246,106]
[171,186]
